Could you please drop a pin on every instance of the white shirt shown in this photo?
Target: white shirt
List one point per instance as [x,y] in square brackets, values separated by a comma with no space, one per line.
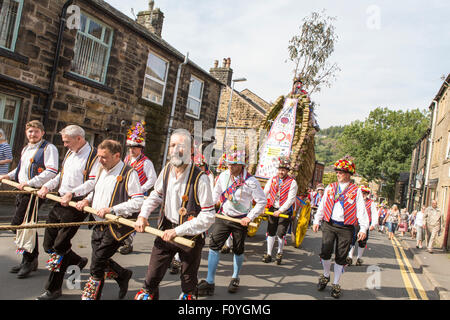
[174,192]
[338,211]
[251,190]
[373,209]
[104,187]
[150,173]
[73,175]
[291,195]
[211,180]
[419,219]
[50,162]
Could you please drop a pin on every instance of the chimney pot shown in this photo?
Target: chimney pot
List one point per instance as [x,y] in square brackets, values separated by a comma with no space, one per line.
[229,63]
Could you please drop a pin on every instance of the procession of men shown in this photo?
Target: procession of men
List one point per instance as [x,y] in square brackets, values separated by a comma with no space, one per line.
[189,203]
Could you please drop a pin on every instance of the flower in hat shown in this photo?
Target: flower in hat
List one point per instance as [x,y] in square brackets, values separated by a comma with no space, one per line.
[199,159]
[284,162]
[320,186]
[235,156]
[136,135]
[345,164]
[222,165]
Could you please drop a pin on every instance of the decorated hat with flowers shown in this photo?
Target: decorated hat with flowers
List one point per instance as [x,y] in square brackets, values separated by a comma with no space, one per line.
[284,162]
[236,156]
[199,160]
[320,186]
[136,135]
[345,164]
[222,165]
[365,189]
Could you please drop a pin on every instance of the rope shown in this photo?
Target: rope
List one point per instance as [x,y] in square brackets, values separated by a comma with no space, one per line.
[14,191]
[108,216]
[55,225]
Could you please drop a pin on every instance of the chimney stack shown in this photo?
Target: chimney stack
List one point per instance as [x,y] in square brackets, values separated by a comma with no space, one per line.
[152,19]
[224,74]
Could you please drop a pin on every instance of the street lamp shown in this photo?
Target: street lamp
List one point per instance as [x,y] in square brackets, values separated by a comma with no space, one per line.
[229,107]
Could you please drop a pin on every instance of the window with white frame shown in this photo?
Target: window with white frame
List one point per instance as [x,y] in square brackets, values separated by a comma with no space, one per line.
[10,12]
[194,103]
[9,114]
[155,79]
[92,49]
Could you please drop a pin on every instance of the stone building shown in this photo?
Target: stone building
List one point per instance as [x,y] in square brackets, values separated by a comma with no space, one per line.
[317,178]
[245,113]
[84,62]
[417,173]
[401,190]
[437,183]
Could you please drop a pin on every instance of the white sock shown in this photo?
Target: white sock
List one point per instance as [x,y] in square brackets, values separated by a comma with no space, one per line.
[280,244]
[360,252]
[326,267]
[177,257]
[270,243]
[350,253]
[338,269]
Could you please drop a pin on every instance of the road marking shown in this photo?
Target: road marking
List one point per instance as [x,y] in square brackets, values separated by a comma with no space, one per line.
[407,282]
[412,273]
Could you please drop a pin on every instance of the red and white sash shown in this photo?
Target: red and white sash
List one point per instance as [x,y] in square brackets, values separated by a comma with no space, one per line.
[369,209]
[283,190]
[348,197]
[138,165]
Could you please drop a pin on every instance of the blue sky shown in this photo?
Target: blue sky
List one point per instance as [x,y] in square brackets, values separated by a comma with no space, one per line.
[391,53]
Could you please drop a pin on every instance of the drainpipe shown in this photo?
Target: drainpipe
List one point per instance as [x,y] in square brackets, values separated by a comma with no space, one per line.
[430,147]
[51,87]
[174,102]
[447,227]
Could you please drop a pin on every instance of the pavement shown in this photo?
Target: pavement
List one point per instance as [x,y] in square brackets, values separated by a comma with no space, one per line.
[435,266]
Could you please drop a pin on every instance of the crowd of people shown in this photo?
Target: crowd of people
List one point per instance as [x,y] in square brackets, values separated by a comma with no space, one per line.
[423,225]
[189,202]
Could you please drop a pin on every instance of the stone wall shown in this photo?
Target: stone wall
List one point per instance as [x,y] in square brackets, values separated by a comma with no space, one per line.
[99,109]
[244,119]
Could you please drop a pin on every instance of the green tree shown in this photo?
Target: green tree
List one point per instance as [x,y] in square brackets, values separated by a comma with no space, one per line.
[382,144]
[329,177]
[311,49]
[327,147]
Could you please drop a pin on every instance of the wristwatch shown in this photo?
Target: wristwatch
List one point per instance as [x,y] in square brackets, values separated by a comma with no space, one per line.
[112,211]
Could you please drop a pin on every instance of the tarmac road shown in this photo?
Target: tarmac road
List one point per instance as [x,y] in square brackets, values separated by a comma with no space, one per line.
[388,272]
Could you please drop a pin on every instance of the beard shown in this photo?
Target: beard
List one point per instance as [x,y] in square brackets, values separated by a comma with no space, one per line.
[177,160]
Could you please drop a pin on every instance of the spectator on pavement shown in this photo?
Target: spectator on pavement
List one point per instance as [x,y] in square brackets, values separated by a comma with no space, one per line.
[5,153]
[418,225]
[392,218]
[432,225]
[403,225]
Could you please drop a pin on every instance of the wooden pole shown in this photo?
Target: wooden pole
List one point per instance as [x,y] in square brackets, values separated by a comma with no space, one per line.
[224,217]
[156,232]
[280,215]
